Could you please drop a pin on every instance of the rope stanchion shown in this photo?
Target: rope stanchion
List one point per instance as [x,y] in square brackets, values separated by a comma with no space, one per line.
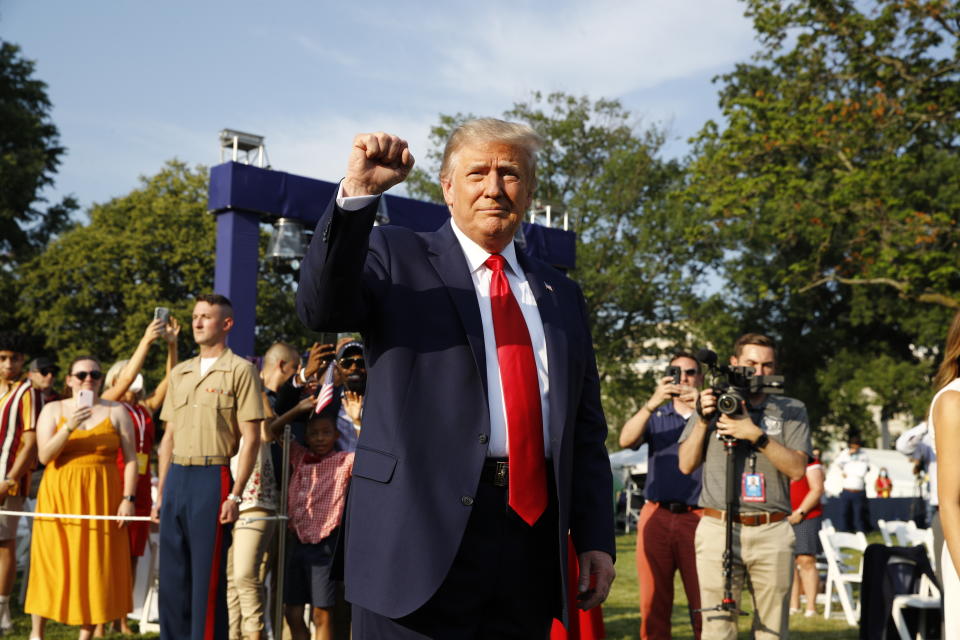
[73,516]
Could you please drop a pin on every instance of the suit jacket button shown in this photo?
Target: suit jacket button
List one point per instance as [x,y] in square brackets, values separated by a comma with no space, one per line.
[467,501]
[483,438]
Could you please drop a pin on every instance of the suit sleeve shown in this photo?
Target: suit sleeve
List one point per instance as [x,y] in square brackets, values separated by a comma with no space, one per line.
[591,509]
[332,291]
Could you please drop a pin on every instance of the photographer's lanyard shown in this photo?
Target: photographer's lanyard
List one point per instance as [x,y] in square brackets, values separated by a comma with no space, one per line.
[753,486]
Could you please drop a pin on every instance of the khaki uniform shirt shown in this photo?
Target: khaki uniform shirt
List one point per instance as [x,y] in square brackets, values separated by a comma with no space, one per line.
[205,411]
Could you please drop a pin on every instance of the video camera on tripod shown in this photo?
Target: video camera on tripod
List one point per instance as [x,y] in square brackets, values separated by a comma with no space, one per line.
[734,385]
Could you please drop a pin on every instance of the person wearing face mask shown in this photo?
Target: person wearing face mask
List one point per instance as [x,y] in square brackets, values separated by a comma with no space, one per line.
[883,485]
[80,569]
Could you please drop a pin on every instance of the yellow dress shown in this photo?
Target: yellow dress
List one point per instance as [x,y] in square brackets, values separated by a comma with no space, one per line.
[80,569]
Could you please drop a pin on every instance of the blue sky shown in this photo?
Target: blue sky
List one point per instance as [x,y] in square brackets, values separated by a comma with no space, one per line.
[135,83]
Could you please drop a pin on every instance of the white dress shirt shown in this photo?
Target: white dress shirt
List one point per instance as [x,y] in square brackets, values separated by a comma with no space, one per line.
[476,256]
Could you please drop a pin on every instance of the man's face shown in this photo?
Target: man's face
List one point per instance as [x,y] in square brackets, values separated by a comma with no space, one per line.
[759,357]
[320,436]
[854,447]
[42,379]
[690,375]
[354,370]
[210,324]
[488,190]
[11,365]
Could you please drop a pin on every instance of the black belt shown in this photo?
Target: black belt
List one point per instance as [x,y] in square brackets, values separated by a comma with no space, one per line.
[676,507]
[496,471]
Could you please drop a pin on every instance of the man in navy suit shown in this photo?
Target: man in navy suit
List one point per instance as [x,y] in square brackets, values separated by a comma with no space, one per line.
[457,524]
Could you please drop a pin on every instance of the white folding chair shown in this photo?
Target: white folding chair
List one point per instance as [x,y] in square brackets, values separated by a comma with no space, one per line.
[895,532]
[928,598]
[827,525]
[844,554]
[913,537]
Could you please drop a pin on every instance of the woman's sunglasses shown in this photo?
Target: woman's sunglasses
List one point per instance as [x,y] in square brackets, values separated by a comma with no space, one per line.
[82,375]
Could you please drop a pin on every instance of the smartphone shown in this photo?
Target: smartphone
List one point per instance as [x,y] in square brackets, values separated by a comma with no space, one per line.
[84,398]
[161,313]
[328,337]
[674,372]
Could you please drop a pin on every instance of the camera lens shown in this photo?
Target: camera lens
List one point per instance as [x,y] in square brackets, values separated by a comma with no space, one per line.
[728,404]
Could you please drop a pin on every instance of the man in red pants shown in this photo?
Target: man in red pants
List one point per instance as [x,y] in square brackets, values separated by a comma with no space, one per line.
[668,520]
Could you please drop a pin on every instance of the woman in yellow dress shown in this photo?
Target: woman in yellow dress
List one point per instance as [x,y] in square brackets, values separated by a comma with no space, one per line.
[80,569]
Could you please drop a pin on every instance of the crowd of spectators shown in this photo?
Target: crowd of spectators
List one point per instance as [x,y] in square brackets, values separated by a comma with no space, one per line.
[94,441]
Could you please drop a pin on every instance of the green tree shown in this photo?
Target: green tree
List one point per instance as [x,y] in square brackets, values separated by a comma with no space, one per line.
[93,290]
[633,260]
[833,186]
[29,155]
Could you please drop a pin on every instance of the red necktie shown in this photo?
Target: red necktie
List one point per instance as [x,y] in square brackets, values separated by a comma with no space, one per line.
[521,398]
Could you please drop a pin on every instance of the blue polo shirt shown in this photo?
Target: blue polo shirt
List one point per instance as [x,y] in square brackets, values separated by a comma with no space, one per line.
[665,483]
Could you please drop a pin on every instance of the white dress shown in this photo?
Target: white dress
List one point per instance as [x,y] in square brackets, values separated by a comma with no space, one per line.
[951,583]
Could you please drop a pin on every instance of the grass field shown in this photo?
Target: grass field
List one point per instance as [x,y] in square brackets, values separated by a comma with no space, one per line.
[620,612]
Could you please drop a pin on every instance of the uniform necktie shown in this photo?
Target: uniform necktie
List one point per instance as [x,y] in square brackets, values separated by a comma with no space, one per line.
[521,398]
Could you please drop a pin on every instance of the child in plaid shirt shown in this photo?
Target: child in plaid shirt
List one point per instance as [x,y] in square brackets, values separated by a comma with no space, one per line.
[318,487]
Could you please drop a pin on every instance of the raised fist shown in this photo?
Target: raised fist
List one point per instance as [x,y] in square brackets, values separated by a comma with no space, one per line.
[377,162]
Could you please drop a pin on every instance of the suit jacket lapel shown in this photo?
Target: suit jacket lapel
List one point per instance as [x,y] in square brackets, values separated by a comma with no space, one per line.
[447,258]
[557,363]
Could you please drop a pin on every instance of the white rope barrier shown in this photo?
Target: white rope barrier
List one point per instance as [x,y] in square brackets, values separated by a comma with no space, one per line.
[73,516]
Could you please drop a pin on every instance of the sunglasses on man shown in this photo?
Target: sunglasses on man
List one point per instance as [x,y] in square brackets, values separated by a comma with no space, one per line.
[82,375]
[349,363]
[47,371]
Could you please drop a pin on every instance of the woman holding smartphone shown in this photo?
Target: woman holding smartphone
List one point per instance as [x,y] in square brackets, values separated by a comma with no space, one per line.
[80,569]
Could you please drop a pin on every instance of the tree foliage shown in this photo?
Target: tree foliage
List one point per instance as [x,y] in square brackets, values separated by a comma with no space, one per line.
[93,290]
[633,262]
[831,191]
[29,155]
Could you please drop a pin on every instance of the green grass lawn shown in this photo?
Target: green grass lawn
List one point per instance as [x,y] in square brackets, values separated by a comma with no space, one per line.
[620,612]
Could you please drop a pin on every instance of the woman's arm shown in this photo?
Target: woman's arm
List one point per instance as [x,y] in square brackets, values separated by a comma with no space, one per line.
[129,448]
[172,330]
[50,441]
[946,420]
[129,373]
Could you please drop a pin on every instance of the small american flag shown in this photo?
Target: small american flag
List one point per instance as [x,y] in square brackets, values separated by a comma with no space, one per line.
[326,390]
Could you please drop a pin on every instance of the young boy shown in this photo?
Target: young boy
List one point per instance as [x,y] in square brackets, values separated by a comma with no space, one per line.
[318,487]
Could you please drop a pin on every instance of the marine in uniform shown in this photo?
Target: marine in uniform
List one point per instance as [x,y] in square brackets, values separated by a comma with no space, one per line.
[214,399]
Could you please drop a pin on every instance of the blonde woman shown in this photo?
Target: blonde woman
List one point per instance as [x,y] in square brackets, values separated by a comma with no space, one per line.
[944,419]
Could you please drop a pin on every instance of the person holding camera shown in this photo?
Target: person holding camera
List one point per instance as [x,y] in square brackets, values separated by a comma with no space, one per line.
[770,436]
[669,518]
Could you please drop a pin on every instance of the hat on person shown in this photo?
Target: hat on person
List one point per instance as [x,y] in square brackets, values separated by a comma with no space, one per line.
[353,344]
[43,362]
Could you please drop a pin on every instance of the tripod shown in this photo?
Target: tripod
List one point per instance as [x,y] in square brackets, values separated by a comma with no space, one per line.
[727,603]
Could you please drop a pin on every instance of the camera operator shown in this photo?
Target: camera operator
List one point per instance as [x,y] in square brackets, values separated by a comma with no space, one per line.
[772,447]
[669,518]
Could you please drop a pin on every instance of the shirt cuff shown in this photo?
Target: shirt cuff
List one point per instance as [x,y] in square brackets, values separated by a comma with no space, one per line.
[352,203]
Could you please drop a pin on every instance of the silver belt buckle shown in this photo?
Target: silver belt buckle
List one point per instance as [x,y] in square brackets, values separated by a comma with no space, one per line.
[500,474]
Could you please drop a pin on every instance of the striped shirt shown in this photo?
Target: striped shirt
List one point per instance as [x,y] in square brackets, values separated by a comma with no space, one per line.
[19,410]
[318,488]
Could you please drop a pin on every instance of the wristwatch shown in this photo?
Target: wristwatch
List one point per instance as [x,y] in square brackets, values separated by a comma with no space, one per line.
[762,441]
[235,498]
[130,498]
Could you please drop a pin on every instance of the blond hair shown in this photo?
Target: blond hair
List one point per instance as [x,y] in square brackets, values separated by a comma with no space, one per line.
[514,134]
[950,367]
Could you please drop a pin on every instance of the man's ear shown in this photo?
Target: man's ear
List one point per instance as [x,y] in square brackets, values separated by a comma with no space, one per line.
[228,323]
[733,361]
[447,185]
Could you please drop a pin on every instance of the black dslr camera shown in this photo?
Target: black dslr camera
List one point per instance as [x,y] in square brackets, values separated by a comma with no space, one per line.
[735,384]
